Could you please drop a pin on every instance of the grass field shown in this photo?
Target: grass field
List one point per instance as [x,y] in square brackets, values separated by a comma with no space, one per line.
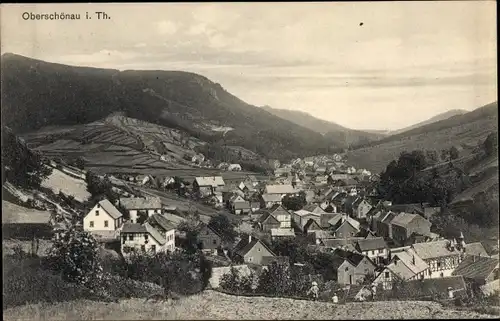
[213,305]
[59,181]
[12,213]
[466,132]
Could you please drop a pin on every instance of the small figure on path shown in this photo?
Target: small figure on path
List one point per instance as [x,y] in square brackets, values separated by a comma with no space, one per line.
[335,298]
[314,290]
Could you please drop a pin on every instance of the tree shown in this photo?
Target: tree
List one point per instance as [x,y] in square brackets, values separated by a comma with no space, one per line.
[295,203]
[454,153]
[222,224]
[275,280]
[191,228]
[100,187]
[76,256]
[20,165]
[80,163]
[490,144]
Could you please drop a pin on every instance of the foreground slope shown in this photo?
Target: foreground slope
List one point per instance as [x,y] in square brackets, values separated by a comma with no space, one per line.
[462,131]
[36,94]
[213,305]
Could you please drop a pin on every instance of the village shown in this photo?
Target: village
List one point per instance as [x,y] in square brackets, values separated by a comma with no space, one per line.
[332,206]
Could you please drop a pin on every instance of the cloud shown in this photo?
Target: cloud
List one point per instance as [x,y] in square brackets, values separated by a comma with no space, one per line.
[167,27]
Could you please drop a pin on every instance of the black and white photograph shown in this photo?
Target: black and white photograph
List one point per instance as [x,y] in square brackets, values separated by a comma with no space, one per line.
[250,160]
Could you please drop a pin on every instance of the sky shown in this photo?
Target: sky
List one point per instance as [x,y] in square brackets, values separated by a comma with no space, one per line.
[380,65]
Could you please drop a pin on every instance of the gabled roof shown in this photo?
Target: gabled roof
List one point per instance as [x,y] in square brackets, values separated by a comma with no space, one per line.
[139,203]
[212,229]
[412,261]
[110,209]
[155,234]
[478,267]
[353,257]
[243,246]
[162,221]
[267,218]
[303,213]
[271,197]
[372,244]
[341,218]
[280,189]
[133,228]
[347,222]
[312,224]
[314,208]
[325,218]
[476,248]
[436,249]
[213,181]
[278,209]
[403,219]
[389,216]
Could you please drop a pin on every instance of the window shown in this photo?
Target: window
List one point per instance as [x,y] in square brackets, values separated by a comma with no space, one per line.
[124,239]
[442,274]
[143,248]
[91,224]
[258,249]
[153,248]
[214,242]
[387,275]
[105,223]
[206,233]
[373,252]
[381,251]
[96,212]
[347,269]
[146,237]
[131,237]
[439,265]
[98,205]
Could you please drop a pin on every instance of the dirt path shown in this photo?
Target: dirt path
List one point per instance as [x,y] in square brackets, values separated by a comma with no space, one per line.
[214,305]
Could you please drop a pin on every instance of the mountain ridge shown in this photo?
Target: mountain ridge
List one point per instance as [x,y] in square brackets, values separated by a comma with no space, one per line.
[38,93]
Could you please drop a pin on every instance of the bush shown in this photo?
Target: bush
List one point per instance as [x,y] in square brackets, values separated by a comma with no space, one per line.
[234,282]
[75,255]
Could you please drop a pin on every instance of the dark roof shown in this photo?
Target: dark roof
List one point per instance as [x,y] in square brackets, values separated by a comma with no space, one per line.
[278,207]
[242,205]
[353,257]
[388,217]
[133,228]
[267,216]
[310,223]
[476,267]
[243,246]
[372,244]
[161,221]
[213,229]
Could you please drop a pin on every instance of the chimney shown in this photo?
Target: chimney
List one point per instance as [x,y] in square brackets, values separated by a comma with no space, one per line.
[249,238]
[473,258]
[413,260]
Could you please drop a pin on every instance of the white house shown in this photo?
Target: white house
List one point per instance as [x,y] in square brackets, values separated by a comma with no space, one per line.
[145,238]
[104,218]
[281,189]
[375,248]
[301,217]
[141,206]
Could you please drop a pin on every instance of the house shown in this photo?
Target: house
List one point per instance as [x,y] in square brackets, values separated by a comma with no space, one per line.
[404,225]
[216,200]
[282,215]
[476,249]
[254,206]
[374,217]
[266,222]
[234,167]
[163,225]
[351,267]
[441,288]
[384,226]
[442,256]
[311,226]
[301,217]
[209,239]
[325,218]
[206,186]
[375,248]
[269,200]
[282,233]
[145,238]
[405,265]
[141,207]
[480,269]
[239,205]
[251,250]
[313,208]
[346,243]
[360,208]
[282,190]
[322,235]
[343,226]
[102,219]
